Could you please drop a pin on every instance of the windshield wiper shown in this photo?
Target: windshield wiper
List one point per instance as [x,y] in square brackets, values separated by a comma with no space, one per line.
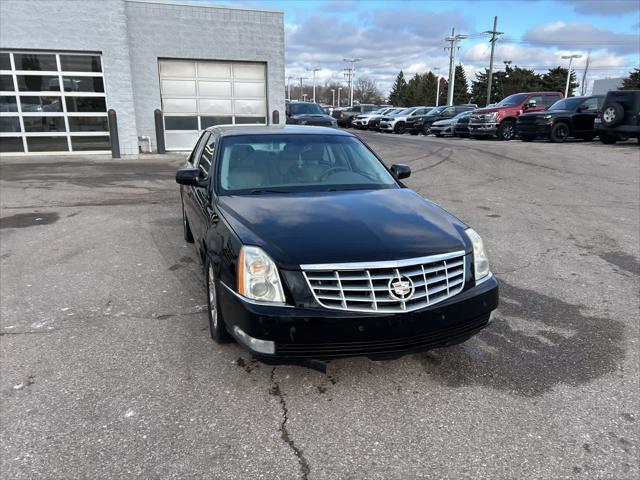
[266,190]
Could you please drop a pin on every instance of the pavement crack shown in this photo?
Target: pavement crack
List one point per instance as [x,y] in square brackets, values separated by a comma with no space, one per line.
[275,390]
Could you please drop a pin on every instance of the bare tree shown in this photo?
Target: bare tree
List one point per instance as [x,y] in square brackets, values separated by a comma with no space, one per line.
[366,91]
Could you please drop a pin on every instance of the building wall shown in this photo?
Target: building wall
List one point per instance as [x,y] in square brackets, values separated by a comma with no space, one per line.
[180,31]
[132,34]
[88,25]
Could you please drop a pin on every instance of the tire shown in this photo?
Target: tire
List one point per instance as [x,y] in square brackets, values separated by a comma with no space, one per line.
[608,139]
[507,130]
[426,129]
[399,128]
[217,326]
[186,229]
[527,138]
[559,133]
[612,114]
[587,138]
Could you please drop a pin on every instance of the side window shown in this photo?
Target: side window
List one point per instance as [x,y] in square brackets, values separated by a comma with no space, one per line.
[449,111]
[590,104]
[540,100]
[197,151]
[206,158]
[549,100]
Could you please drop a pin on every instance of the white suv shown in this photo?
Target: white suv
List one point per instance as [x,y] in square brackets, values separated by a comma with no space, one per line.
[362,121]
[397,122]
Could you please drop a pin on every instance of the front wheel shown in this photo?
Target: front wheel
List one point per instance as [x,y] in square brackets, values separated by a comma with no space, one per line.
[559,132]
[507,130]
[426,129]
[399,128]
[217,326]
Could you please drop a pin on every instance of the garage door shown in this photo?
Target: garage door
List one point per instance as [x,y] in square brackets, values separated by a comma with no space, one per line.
[199,94]
[52,102]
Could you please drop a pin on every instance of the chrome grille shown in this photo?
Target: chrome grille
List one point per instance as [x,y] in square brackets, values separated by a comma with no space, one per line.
[387,287]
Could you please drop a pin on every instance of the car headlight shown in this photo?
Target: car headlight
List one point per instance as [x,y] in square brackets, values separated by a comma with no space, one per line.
[492,116]
[480,258]
[258,277]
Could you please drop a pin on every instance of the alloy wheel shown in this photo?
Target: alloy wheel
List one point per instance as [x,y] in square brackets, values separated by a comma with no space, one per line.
[562,132]
[508,131]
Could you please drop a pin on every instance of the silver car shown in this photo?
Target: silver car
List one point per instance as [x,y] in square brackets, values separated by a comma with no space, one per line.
[396,123]
[448,125]
[362,121]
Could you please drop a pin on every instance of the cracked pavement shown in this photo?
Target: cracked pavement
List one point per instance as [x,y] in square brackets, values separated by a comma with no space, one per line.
[108,370]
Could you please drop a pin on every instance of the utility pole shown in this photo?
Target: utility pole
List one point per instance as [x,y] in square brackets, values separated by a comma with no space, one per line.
[314,70]
[494,38]
[453,40]
[570,57]
[301,79]
[350,74]
[583,86]
[289,87]
[437,70]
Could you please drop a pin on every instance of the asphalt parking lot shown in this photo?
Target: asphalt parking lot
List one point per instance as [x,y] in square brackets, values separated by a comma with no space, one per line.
[108,370]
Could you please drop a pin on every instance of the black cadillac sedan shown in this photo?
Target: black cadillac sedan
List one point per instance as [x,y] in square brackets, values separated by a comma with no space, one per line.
[313,249]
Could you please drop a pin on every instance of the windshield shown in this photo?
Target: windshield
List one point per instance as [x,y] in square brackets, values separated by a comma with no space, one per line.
[406,111]
[435,110]
[463,114]
[567,104]
[511,100]
[305,109]
[283,163]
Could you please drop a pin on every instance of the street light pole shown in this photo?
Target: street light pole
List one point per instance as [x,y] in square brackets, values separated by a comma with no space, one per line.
[314,70]
[333,96]
[289,87]
[351,71]
[570,57]
[339,90]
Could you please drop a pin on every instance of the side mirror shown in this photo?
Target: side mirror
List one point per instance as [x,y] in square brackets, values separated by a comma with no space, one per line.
[582,108]
[189,177]
[400,171]
[530,105]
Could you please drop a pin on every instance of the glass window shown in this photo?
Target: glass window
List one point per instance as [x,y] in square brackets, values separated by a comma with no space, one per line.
[178,88]
[41,104]
[11,145]
[47,144]
[591,104]
[6,83]
[179,105]
[206,122]
[44,124]
[206,159]
[181,123]
[247,120]
[88,124]
[5,61]
[195,154]
[86,104]
[208,105]
[35,61]
[512,100]
[180,140]
[548,100]
[38,83]
[214,70]
[80,63]
[83,84]
[249,107]
[8,104]
[299,163]
[214,89]
[9,124]
[177,68]
[248,71]
[305,109]
[99,142]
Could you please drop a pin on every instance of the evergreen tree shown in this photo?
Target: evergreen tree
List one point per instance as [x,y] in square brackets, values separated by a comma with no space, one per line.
[412,92]
[521,80]
[460,87]
[480,84]
[555,80]
[632,82]
[398,91]
[428,88]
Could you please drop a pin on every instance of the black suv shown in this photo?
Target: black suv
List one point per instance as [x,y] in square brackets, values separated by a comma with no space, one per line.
[569,117]
[620,116]
[346,116]
[422,123]
[307,113]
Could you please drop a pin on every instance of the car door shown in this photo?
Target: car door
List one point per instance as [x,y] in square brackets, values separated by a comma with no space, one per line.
[201,197]
[540,104]
[187,192]
[585,115]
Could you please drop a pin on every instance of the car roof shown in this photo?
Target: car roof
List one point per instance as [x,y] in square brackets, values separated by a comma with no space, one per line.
[232,130]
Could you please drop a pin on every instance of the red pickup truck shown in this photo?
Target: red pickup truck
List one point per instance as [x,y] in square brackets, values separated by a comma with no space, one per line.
[499,120]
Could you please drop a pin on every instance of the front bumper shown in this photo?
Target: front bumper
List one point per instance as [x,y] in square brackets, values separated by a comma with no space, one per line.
[534,129]
[483,128]
[387,126]
[318,333]
[441,130]
[360,122]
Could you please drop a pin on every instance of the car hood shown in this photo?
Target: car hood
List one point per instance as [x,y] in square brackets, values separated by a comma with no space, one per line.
[484,111]
[442,123]
[312,116]
[348,226]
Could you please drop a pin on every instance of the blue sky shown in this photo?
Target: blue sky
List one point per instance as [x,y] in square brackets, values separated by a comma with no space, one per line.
[409,35]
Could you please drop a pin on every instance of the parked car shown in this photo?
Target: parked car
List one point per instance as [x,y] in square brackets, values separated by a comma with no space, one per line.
[500,120]
[303,233]
[461,128]
[448,125]
[397,122]
[362,121]
[569,117]
[620,116]
[346,116]
[422,123]
[374,123]
[307,113]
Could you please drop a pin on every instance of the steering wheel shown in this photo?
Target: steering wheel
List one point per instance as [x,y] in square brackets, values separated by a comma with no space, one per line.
[331,171]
